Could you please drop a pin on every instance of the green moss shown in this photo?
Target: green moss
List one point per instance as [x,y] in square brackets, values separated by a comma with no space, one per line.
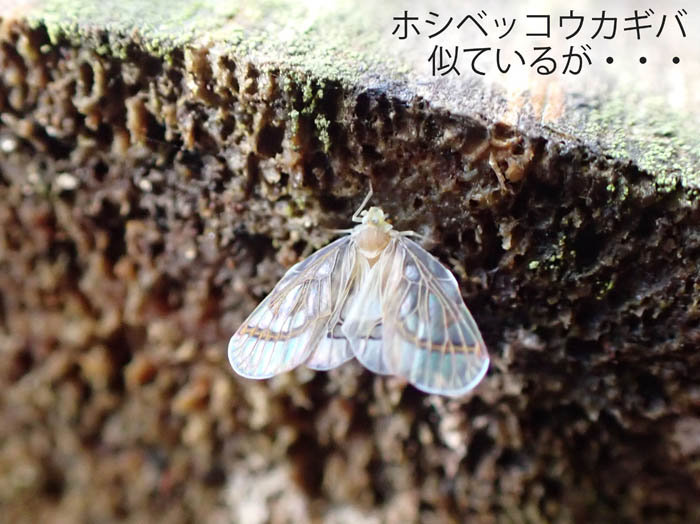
[314,42]
[604,288]
[322,124]
[344,42]
[159,25]
[665,143]
[330,40]
[624,192]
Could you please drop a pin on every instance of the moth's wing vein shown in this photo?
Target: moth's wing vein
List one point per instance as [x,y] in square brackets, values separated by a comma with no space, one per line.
[363,322]
[429,334]
[333,348]
[283,330]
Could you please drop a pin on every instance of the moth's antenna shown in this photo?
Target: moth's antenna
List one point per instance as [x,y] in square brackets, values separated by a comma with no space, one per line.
[356,216]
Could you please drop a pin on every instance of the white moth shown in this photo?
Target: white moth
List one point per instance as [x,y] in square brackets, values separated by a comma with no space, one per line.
[375,295]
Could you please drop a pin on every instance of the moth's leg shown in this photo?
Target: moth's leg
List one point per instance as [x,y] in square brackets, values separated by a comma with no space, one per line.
[356,216]
[414,234]
[337,231]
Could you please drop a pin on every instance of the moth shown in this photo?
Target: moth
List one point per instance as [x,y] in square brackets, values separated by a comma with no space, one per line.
[375,295]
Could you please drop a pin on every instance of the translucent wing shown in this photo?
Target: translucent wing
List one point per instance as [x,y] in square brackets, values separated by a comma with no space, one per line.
[288,325]
[333,348]
[363,323]
[430,337]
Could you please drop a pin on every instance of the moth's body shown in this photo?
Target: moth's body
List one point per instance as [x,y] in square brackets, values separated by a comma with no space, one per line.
[375,295]
[373,235]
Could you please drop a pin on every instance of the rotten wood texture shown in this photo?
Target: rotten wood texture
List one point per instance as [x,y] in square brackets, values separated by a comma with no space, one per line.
[161,167]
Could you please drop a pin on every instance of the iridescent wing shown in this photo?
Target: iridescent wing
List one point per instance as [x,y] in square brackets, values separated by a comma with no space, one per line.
[363,323]
[333,348]
[291,324]
[430,337]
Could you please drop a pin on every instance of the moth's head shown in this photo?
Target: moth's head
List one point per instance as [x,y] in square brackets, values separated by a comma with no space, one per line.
[376,217]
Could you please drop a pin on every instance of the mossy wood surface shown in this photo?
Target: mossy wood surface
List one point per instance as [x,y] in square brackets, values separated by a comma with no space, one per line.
[163,163]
